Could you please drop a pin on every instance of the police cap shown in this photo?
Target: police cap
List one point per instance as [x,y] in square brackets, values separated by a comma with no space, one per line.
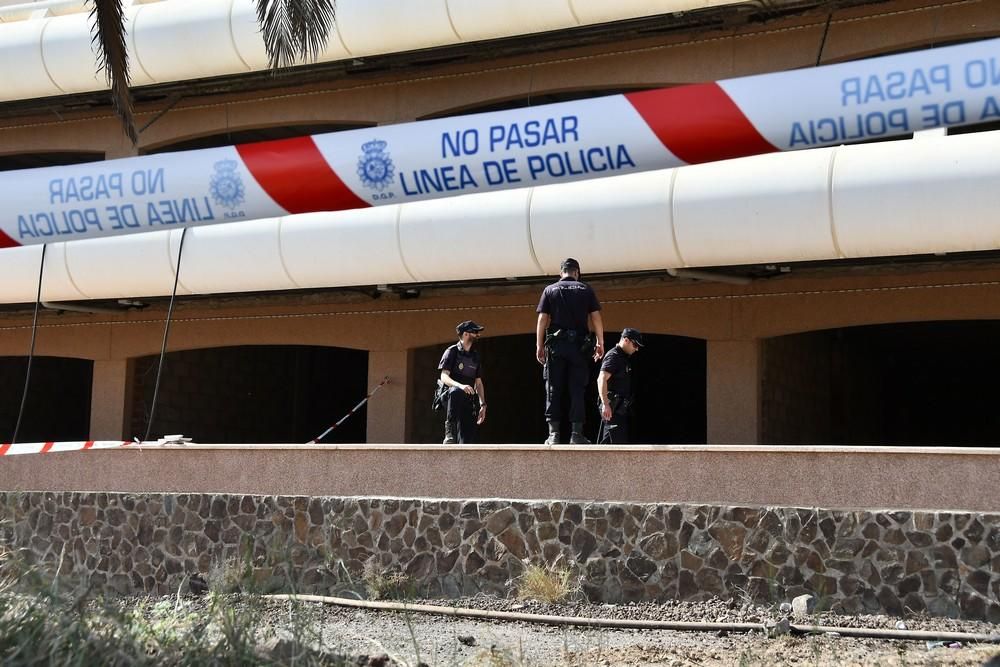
[633,335]
[468,326]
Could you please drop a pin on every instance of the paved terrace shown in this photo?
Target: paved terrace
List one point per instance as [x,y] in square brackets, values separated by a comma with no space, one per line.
[939,478]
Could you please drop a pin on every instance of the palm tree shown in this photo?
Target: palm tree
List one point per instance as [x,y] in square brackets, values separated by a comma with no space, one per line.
[293,31]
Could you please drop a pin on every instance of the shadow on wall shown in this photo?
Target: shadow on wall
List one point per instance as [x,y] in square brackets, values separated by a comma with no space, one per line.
[249,135]
[915,383]
[58,405]
[670,391]
[252,394]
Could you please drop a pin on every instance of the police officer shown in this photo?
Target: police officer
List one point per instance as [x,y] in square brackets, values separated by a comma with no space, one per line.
[569,332]
[461,373]
[614,388]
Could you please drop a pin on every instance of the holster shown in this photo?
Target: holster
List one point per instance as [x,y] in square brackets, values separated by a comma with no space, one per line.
[552,336]
[587,342]
[619,404]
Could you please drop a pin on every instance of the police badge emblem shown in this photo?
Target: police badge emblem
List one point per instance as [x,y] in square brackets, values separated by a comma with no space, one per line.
[375,167]
[225,186]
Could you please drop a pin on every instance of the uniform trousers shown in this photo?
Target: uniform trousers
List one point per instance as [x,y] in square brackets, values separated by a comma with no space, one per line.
[614,432]
[462,414]
[567,370]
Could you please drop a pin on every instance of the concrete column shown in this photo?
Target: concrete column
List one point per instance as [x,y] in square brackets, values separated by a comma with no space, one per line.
[108,398]
[387,414]
[733,401]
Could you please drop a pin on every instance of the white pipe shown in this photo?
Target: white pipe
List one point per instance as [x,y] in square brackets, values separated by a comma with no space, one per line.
[635,623]
[54,55]
[893,198]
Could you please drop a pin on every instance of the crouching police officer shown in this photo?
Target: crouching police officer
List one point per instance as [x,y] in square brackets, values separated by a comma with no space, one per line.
[614,386]
[569,332]
[461,373]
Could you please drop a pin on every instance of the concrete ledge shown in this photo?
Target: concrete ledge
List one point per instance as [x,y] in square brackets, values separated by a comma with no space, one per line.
[941,478]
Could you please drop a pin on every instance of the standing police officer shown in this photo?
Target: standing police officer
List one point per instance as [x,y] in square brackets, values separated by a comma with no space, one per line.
[461,372]
[569,332]
[614,387]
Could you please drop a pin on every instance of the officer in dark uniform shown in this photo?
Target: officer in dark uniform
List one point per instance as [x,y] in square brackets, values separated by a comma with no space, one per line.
[614,388]
[569,333]
[461,372]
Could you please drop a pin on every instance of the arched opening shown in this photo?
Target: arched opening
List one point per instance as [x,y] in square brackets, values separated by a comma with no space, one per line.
[252,393]
[58,403]
[669,376]
[919,383]
[249,135]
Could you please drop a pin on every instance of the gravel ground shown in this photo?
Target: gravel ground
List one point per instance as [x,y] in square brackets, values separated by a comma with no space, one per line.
[390,638]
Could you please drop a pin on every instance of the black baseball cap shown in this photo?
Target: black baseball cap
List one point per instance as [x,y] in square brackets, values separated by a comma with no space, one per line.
[633,335]
[469,326]
[569,264]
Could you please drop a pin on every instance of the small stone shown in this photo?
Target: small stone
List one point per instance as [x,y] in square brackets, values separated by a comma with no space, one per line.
[900,625]
[955,645]
[831,634]
[785,607]
[804,605]
[468,640]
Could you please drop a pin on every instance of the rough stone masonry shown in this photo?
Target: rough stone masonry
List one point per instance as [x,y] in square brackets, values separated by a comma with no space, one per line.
[946,563]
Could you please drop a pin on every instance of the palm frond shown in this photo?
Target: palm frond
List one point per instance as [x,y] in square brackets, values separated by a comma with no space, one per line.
[107,23]
[295,30]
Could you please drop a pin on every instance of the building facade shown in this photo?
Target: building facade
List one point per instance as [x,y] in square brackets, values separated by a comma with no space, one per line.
[885,350]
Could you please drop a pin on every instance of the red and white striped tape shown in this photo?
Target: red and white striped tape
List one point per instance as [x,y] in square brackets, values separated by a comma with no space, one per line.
[657,129]
[7,449]
[357,407]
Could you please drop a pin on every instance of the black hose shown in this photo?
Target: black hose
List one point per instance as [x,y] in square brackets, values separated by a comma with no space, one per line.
[31,349]
[697,626]
[166,335]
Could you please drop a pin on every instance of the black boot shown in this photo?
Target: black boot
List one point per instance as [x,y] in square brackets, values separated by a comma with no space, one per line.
[553,438]
[577,437]
[449,433]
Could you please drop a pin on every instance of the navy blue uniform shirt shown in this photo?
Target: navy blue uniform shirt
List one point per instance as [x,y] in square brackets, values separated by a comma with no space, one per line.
[569,303]
[463,366]
[618,364]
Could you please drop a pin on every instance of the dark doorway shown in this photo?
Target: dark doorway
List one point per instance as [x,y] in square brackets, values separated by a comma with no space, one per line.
[54,159]
[669,380]
[253,394]
[58,405]
[670,390]
[923,383]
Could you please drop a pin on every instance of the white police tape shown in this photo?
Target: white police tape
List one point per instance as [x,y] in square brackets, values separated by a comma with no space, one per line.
[641,131]
[7,449]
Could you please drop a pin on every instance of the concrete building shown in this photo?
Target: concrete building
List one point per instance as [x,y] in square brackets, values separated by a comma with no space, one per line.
[881,350]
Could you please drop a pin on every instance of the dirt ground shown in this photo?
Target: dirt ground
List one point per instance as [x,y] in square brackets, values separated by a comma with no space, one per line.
[375,637]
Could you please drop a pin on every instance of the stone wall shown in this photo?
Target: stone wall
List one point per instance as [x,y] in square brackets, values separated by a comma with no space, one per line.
[889,561]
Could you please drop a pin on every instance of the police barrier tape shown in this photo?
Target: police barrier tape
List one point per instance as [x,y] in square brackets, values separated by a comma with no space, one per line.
[357,407]
[7,449]
[655,129]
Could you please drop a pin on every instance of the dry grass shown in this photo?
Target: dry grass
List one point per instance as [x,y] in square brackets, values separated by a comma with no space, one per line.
[385,584]
[555,583]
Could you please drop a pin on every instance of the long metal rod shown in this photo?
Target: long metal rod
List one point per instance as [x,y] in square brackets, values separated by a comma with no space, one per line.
[166,335]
